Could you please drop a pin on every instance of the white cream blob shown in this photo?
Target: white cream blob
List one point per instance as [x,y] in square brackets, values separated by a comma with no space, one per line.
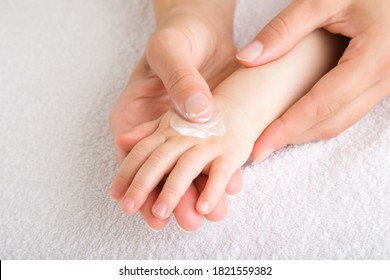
[214,127]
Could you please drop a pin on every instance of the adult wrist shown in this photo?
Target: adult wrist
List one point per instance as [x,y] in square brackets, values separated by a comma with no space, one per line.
[219,10]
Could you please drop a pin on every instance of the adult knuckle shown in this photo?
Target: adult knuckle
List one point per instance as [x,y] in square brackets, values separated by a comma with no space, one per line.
[280,27]
[285,129]
[180,78]
[329,133]
[326,110]
[383,66]
[151,48]
[160,39]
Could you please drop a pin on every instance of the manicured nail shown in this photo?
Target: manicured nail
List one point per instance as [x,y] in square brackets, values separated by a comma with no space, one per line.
[128,204]
[197,105]
[250,52]
[204,206]
[160,210]
[264,155]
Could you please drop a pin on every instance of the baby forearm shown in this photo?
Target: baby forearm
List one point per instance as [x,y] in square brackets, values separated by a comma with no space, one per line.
[263,93]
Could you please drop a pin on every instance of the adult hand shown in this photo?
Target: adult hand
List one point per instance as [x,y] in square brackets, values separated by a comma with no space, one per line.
[191,48]
[345,94]
[187,49]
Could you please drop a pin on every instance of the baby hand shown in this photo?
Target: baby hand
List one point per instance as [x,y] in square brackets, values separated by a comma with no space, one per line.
[167,153]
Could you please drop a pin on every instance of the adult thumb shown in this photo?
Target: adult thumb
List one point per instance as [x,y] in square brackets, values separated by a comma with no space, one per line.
[169,54]
[283,32]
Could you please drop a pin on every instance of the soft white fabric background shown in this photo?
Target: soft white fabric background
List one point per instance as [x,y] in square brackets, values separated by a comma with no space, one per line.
[61,65]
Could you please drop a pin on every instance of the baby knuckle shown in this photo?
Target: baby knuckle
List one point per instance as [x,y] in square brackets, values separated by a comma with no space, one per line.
[186,164]
[121,179]
[172,191]
[157,160]
[137,186]
[223,166]
[137,154]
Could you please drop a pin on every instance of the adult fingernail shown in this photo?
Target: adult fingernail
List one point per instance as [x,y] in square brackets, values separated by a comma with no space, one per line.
[160,210]
[250,52]
[128,205]
[198,105]
[264,155]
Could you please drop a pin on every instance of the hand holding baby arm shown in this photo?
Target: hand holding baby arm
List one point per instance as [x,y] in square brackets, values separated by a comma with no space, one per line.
[165,74]
[359,81]
[182,158]
[161,150]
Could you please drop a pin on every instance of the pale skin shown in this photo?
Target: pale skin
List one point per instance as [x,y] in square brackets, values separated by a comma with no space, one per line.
[203,30]
[359,81]
[249,100]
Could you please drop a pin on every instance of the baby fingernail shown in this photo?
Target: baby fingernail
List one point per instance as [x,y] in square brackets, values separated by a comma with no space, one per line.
[264,155]
[204,206]
[197,105]
[160,210]
[250,52]
[129,204]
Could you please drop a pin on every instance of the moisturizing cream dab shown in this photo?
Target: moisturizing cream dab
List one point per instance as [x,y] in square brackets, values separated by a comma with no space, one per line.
[214,127]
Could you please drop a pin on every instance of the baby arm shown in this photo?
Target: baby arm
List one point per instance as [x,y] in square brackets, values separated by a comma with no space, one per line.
[246,103]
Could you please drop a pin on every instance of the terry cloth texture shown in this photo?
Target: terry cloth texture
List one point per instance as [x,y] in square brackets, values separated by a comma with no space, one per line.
[62,63]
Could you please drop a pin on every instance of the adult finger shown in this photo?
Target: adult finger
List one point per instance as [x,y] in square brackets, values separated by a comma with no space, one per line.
[169,53]
[235,184]
[289,27]
[221,209]
[333,92]
[146,210]
[220,173]
[188,219]
[348,116]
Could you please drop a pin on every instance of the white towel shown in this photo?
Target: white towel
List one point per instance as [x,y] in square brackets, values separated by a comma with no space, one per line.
[62,63]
